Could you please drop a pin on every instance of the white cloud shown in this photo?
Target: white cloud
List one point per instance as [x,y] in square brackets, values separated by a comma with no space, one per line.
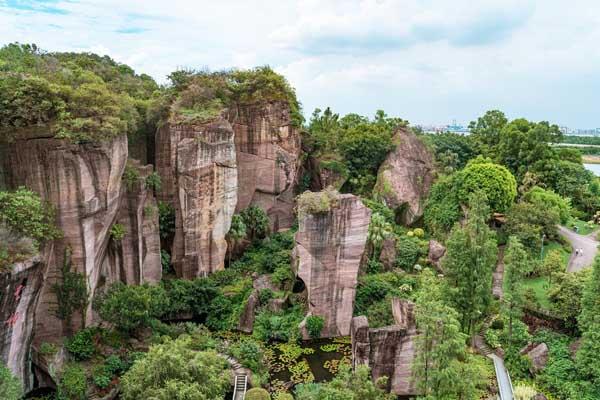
[424,60]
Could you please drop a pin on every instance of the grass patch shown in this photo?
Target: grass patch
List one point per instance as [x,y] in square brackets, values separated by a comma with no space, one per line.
[582,226]
[540,287]
[550,246]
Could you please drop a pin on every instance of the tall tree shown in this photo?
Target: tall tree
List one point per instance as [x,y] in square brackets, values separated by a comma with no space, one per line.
[237,232]
[486,131]
[470,261]
[589,324]
[440,347]
[516,265]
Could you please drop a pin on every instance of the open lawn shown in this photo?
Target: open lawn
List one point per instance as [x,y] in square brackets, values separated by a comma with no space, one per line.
[540,288]
[550,246]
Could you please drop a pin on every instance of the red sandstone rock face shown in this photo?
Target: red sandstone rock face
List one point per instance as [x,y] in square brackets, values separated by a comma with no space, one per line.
[406,175]
[197,164]
[267,148]
[327,256]
[19,290]
[83,182]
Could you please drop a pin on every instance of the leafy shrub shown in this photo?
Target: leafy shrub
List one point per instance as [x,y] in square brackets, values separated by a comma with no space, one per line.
[377,287]
[165,261]
[174,370]
[442,207]
[314,326]
[280,326]
[316,202]
[81,345]
[264,295]
[257,394]
[10,386]
[524,392]
[131,307]
[492,338]
[72,384]
[101,376]
[117,232]
[24,214]
[131,175]
[166,220]
[419,232]
[114,365]
[153,181]
[71,291]
[48,349]
[250,354]
[408,252]
[256,221]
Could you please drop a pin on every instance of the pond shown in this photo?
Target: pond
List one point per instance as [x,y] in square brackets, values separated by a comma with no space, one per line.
[595,168]
[310,361]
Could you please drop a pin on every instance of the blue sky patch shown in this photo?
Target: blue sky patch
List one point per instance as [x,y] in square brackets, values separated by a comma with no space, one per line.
[42,6]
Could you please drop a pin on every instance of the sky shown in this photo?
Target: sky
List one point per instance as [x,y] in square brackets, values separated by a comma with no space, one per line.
[426,61]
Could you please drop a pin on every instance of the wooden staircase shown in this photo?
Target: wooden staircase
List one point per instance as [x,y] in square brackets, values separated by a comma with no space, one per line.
[239,387]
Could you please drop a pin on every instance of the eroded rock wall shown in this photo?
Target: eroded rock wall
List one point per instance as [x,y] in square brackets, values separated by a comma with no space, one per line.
[19,293]
[197,164]
[327,256]
[83,182]
[406,175]
[268,148]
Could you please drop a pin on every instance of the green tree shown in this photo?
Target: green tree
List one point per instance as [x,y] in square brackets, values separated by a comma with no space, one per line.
[10,387]
[528,222]
[346,385]
[72,384]
[553,265]
[131,307]
[548,199]
[440,347]
[256,221]
[314,326]
[566,293]
[174,370]
[494,180]
[516,266]
[485,132]
[589,323]
[237,232]
[379,230]
[71,292]
[469,263]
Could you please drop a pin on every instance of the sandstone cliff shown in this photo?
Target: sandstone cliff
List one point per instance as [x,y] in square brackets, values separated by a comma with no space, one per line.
[388,351]
[83,183]
[406,175]
[329,248]
[197,164]
[268,147]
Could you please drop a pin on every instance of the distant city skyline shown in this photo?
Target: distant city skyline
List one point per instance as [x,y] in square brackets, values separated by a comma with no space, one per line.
[425,61]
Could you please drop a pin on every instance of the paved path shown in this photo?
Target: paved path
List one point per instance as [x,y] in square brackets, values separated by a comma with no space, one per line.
[498,277]
[588,243]
[505,388]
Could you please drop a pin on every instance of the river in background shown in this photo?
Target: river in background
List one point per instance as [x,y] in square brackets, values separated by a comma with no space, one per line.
[595,168]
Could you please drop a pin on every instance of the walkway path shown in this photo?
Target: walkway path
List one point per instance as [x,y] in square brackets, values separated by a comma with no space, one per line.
[505,388]
[498,277]
[588,243]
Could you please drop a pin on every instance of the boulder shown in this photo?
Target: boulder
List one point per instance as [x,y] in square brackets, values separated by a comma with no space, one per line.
[436,253]
[406,175]
[388,253]
[268,148]
[246,323]
[537,354]
[327,255]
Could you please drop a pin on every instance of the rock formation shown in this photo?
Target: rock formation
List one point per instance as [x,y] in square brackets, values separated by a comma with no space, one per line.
[388,351]
[19,293]
[83,183]
[246,323]
[405,177]
[537,354]
[388,253]
[436,253]
[197,165]
[268,147]
[327,256]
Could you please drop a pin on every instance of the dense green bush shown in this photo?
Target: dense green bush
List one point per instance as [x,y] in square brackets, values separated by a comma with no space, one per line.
[256,221]
[174,370]
[81,345]
[166,220]
[72,384]
[131,307]
[377,287]
[498,184]
[101,376]
[314,326]
[442,207]
[117,232]
[10,386]
[71,291]
[24,214]
[280,326]
[153,181]
[83,96]
[548,199]
[408,252]
[257,394]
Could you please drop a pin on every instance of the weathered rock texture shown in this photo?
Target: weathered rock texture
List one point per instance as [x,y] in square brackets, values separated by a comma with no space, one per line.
[388,253]
[19,293]
[247,318]
[388,351]
[436,253]
[268,147]
[83,183]
[406,175]
[537,354]
[327,256]
[197,164]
